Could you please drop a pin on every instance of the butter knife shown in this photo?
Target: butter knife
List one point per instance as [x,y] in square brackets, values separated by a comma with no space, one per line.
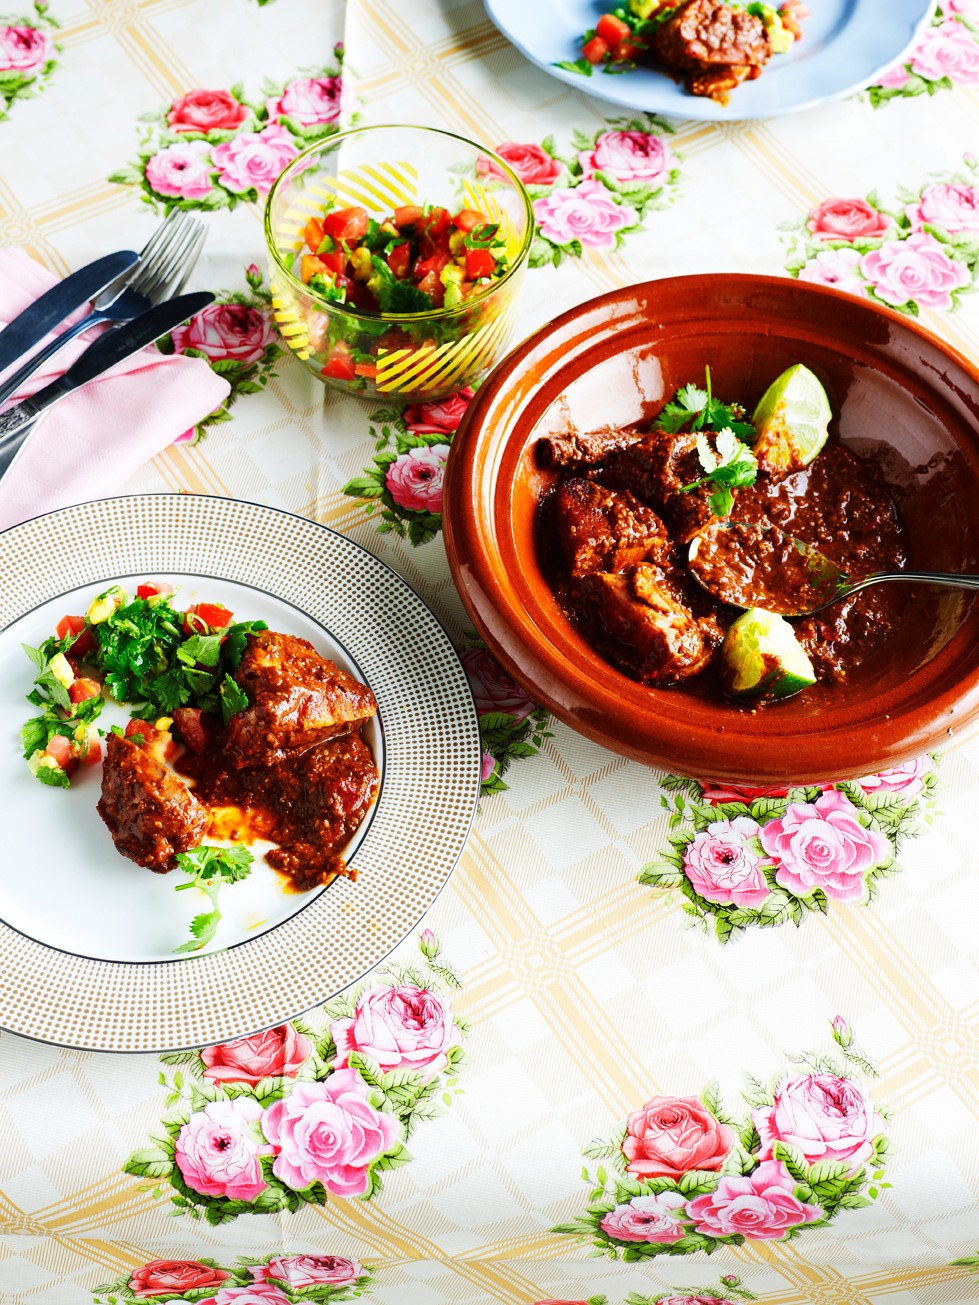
[44,314]
[115,346]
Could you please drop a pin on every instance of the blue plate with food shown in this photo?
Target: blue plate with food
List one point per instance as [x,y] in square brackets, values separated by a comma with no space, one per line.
[713,60]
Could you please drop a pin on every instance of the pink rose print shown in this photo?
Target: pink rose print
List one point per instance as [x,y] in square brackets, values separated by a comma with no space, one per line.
[847,219]
[586,213]
[825,1117]
[647,1219]
[24,49]
[309,101]
[839,268]
[533,165]
[693,1300]
[401,1028]
[174,1278]
[761,1206]
[414,479]
[670,1136]
[277,1053]
[217,1151]
[629,156]
[714,791]
[182,170]
[260,1294]
[207,111]
[298,1271]
[226,331]
[823,845]
[721,867]
[915,269]
[968,9]
[905,779]
[253,159]
[486,767]
[948,50]
[438,414]
[894,78]
[493,688]
[329,1133]
[953,208]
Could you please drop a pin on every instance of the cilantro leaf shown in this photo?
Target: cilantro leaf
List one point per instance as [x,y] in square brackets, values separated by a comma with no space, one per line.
[209,868]
[233,698]
[731,466]
[37,733]
[236,641]
[53,776]
[698,409]
[394,296]
[204,649]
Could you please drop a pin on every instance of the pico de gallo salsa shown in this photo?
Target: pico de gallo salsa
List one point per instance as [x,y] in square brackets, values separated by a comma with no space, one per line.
[418,260]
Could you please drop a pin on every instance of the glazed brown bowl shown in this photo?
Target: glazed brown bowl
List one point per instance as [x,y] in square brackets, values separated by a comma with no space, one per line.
[895,390]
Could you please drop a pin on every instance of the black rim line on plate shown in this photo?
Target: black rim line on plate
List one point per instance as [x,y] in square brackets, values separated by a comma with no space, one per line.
[282,1017]
[363,829]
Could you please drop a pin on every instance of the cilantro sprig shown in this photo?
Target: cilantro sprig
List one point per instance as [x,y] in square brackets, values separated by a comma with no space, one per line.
[698,409]
[732,466]
[210,869]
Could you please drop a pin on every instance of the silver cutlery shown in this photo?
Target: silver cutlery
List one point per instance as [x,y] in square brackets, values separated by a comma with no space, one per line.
[165,264]
[43,315]
[109,349]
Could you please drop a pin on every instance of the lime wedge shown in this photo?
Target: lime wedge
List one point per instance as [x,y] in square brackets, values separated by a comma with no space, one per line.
[791,419]
[762,658]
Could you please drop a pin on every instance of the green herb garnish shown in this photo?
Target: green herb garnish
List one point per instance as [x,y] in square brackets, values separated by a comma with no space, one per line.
[732,466]
[210,868]
[394,296]
[699,410]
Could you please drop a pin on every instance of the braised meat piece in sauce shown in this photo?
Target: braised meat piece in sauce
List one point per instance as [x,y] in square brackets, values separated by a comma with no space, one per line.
[642,627]
[713,45]
[602,530]
[150,812]
[655,469]
[296,699]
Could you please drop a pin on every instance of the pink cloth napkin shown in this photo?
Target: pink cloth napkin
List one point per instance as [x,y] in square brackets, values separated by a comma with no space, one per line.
[89,444]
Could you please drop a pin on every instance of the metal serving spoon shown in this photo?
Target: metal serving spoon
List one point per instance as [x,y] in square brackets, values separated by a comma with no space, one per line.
[751,565]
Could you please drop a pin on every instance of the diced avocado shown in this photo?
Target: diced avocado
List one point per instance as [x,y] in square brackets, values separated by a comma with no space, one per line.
[792,420]
[60,668]
[360,263]
[104,605]
[644,8]
[451,278]
[762,658]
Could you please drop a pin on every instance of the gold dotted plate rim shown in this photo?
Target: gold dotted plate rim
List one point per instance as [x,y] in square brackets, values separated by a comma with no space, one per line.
[422,818]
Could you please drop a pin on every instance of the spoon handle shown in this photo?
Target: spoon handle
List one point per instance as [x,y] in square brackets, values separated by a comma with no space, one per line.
[948,580]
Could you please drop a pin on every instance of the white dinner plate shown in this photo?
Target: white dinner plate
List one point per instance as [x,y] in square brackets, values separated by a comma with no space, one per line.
[846,45]
[87,936]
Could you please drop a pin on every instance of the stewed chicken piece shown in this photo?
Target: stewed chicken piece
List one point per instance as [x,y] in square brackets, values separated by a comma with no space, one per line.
[296,699]
[151,814]
[714,45]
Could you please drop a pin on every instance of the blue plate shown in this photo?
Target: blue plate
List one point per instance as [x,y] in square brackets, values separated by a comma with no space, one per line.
[847,45]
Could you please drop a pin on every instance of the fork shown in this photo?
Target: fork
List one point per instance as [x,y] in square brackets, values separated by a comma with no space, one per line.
[165,263]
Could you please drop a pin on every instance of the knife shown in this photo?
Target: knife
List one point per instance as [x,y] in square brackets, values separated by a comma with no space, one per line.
[113,347]
[43,315]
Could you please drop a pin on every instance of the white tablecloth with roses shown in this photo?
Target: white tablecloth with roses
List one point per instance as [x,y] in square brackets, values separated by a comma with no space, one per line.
[662,1040]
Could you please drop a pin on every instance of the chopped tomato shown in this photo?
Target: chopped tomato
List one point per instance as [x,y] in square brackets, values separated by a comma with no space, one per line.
[595,50]
[467,218]
[312,265]
[435,264]
[314,234]
[145,727]
[90,753]
[366,369]
[80,690]
[206,616]
[85,643]
[612,30]
[335,262]
[409,215]
[60,751]
[432,285]
[627,52]
[340,365]
[346,224]
[479,263]
[438,221]
[399,260]
[150,588]
[195,727]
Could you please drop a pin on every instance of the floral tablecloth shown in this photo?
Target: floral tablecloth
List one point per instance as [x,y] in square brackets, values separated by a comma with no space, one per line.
[662,1040]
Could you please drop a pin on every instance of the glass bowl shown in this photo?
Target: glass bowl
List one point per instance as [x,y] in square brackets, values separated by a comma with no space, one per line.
[408,356]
